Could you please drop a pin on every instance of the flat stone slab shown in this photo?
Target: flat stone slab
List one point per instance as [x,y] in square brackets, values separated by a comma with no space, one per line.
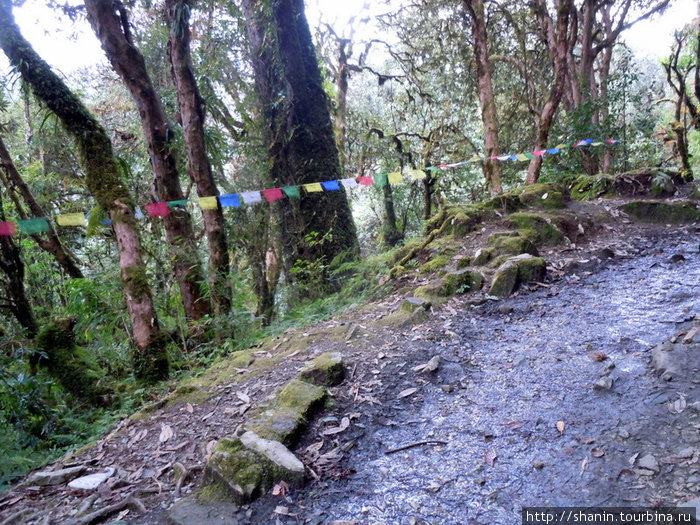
[327,369]
[55,477]
[189,511]
[274,451]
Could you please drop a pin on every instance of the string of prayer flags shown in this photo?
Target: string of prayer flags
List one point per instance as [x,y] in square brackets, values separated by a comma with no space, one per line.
[381,180]
[417,174]
[35,225]
[158,209]
[292,192]
[395,177]
[251,197]
[331,185]
[273,194]
[348,183]
[208,203]
[313,187]
[365,181]
[230,201]
[72,219]
[8,228]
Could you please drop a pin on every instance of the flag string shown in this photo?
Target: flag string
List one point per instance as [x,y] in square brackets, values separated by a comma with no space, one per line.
[37,225]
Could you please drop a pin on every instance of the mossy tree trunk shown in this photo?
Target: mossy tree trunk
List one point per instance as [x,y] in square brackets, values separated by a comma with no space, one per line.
[111,25]
[299,134]
[192,113]
[103,181]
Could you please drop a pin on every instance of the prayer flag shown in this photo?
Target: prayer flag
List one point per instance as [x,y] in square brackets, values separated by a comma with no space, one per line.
[365,181]
[529,156]
[503,157]
[158,209]
[251,197]
[291,191]
[520,156]
[138,213]
[475,158]
[586,142]
[273,194]
[432,168]
[208,203]
[381,180]
[512,157]
[553,151]
[596,143]
[348,183]
[177,204]
[417,174]
[561,146]
[330,185]
[72,219]
[230,201]
[313,187]
[539,152]
[36,225]
[612,141]
[395,177]
[8,228]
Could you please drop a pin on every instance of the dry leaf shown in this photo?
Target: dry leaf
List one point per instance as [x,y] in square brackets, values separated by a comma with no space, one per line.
[243,397]
[137,437]
[344,424]
[597,452]
[166,432]
[587,440]
[210,448]
[407,392]
[284,511]
[584,464]
[560,426]
[490,456]
[189,408]
[677,406]
[315,448]
[280,489]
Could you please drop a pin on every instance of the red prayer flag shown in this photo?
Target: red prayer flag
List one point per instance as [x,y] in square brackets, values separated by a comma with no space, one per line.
[365,181]
[540,152]
[273,194]
[158,209]
[8,228]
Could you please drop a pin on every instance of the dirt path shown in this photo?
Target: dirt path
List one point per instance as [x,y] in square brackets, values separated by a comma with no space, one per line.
[514,402]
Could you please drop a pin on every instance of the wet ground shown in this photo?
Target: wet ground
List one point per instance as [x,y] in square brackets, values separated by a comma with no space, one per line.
[513,409]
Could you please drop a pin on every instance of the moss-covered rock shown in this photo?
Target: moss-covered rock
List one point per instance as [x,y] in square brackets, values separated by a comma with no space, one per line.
[536,228]
[589,187]
[483,256]
[242,359]
[516,271]
[545,195]
[461,281]
[71,365]
[411,304]
[434,264]
[464,262]
[663,212]
[512,245]
[327,369]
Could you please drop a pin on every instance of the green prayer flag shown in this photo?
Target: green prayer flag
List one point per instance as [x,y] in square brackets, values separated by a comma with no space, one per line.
[381,180]
[174,204]
[529,155]
[36,225]
[291,191]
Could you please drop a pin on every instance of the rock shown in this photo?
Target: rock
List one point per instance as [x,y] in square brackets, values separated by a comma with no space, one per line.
[190,510]
[536,228]
[411,304]
[91,481]
[509,245]
[327,369]
[676,258]
[648,462]
[505,309]
[693,503]
[604,253]
[604,383]
[461,281]
[54,477]
[665,361]
[516,271]
[450,373]
[519,361]
[690,336]
[686,453]
[538,465]
[274,451]
[663,212]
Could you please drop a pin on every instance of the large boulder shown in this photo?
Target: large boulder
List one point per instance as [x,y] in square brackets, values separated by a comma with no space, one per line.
[515,271]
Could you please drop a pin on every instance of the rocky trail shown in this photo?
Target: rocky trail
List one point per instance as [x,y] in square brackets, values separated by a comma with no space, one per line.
[578,389]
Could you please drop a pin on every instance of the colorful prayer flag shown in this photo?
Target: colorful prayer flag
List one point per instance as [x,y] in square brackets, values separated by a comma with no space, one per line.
[273,194]
[208,203]
[503,157]
[553,151]
[395,177]
[520,156]
[476,158]
[138,213]
[528,156]
[177,204]
[331,185]
[348,183]
[71,219]
[251,197]
[417,174]
[158,209]
[596,143]
[291,191]
[313,187]
[561,146]
[381,180]
[365,181]
[230,201]
[432,168]
[35,225]
[539,152]
[8,228]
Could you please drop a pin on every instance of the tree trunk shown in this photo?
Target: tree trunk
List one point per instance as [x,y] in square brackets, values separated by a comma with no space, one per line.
[390,232]
[110,24]
[104,182]
[49,243]
[489,117]
[299,134]
[192,113]
[546,117]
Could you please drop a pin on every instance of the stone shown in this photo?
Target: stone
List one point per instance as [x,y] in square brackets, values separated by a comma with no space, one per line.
[648,462]
[461,281]
[505,309]
[663,212]
[189,510]
[411,304]
[536,228]
[327,369]
[54,477]
[604,253]
[91,481]
[516,271]
[509,245]
[664,360]
[274,451]
[519,361]
[604,383]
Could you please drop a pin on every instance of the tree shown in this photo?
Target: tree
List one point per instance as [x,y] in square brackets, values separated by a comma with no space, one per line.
[111,25]
[149,357]
[299,134]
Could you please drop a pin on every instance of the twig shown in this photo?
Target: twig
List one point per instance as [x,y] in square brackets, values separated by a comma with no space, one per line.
[416,444]
[129,501]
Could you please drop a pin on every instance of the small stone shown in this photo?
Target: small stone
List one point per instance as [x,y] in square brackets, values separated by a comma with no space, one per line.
[676,258]
[623,433]
[505,309]
[648,462]
[604,383]
[538,465]
[519,361]
[91,481]
[447,388]
[54,477]
[686,453]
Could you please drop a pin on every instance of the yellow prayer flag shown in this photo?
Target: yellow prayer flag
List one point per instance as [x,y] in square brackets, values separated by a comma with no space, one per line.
[561,146]
[71,219]
[208,203]
[520,156]
[596,143]
[475,158]
[314,186]
[417,174]
[395,178]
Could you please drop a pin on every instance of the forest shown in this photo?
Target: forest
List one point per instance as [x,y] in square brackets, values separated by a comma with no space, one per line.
[233,171]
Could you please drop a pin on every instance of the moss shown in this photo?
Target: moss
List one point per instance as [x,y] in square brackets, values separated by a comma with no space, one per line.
[406,249]
[506,202]
[151,365]
[461,281]
[483,256]
[242,359]
[536,228]
[435,222]
[327,369]
[533,196]
[589,187]
[516,271]
[661,212]
[435,264]
[397,271]
[463,223]
[464,262]
[510,245]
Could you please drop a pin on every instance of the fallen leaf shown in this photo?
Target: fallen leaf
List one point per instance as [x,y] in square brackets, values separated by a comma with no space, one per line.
[280,489]
[677,406]
[344,424]
[189,408]
[284,511]
[243,397]
[599,356]
[137,437]
[210,448]
[204,418]
[355,415]
[407,392]
[560,426]
[586,440]
[584,464]
[166,432]
[597,452]
[315,447]
[513,424]
[490,456]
